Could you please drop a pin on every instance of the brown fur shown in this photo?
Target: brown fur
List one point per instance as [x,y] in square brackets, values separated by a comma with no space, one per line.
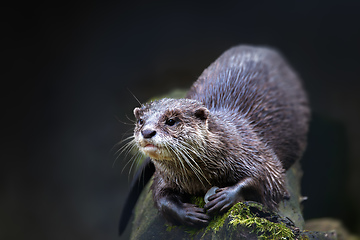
[244,121]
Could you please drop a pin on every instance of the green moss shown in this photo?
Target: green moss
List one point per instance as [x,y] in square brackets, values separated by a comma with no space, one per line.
[304,237]
[169,228]
[198,201]
[216,223]
[240,214]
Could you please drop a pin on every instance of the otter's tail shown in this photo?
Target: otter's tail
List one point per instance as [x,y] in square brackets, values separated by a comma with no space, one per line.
[142,176]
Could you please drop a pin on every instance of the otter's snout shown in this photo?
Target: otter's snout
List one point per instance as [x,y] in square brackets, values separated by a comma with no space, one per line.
[148,133]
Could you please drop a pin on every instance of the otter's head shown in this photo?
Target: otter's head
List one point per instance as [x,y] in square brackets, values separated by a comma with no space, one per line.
[168,129]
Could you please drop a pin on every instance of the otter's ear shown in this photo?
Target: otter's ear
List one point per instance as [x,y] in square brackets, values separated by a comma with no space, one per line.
[202,113]
[137,112]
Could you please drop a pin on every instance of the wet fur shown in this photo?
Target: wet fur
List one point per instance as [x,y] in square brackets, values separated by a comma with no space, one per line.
[244,121]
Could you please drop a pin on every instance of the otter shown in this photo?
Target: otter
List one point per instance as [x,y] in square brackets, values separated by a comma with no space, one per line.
[242,124]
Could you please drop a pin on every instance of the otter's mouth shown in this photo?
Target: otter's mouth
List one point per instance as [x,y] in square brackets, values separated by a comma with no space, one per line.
[154,151]
[151,150]
[150,146]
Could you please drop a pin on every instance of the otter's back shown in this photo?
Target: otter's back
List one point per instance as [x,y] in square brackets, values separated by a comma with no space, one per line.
[257,84]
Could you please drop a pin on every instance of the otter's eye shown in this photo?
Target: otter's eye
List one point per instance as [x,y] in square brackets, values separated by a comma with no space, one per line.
[140,121]
[170,122]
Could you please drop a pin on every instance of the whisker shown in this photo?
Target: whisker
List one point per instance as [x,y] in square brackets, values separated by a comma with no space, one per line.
[130,136]
[131,120]
[125,123]
[135,161]
[197,154]
[135,156]
[128,148]
[134,96]
[189,160]
[175,152]
[126,145]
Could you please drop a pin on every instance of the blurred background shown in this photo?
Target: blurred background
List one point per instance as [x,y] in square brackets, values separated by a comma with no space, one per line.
[69,68]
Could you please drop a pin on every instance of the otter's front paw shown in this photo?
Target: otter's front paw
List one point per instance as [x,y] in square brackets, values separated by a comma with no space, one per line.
[187,214]
[194,216]
[223,200]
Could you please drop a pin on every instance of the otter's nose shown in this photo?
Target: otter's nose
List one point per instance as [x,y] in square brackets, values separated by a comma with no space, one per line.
[148,133]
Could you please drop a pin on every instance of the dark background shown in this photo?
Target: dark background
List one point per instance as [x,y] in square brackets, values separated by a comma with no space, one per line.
[66,71]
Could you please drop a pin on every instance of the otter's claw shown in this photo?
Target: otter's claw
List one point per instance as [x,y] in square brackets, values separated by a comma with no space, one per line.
[186,214]
[222,200]
[194,216]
